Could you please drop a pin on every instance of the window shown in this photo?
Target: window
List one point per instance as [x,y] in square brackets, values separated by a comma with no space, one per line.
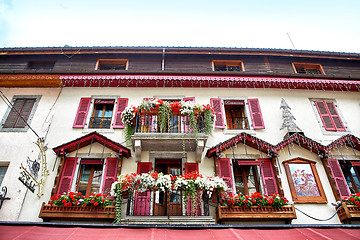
[329,115]
[22,112]
[232,114]
[248,175]
[112,64]
[3,170]
[308,68]
[41,65]
[246,179]
[346,175]
[304,181]
[230,66]
[102,112]
[92,175]
[235,114]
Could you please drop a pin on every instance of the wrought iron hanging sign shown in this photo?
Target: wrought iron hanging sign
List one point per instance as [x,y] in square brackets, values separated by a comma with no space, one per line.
[35,173]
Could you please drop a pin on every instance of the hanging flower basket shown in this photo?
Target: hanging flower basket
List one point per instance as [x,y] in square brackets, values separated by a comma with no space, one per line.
[53,212]
[255,213]
[348,212]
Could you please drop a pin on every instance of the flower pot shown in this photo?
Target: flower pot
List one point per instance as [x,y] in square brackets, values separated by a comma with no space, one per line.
[256,213]
[348,212]
[49,212]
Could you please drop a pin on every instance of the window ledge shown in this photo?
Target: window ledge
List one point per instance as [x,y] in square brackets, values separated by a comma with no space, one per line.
[98,130]
[237,131]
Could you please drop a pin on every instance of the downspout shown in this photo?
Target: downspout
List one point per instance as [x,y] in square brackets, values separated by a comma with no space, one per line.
[163,60]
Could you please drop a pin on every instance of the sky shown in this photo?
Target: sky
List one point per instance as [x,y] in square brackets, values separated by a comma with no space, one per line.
[324,25]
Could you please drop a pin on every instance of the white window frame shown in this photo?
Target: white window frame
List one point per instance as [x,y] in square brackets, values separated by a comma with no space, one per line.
[247,112]
[86,128]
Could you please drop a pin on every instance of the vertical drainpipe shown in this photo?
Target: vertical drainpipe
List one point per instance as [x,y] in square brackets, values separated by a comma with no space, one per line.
[163,60]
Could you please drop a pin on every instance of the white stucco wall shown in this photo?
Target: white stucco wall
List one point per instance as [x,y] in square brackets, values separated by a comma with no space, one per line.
[17,146]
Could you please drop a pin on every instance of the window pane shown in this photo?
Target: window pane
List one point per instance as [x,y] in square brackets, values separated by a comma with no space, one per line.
[356,176]
[2,173]
[236,117]
[90,178]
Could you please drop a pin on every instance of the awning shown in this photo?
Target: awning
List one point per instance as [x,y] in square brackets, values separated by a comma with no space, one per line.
[137,80]
[89,233]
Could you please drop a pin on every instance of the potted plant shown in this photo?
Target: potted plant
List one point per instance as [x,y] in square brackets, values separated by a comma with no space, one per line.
[208,116]
[129,119]
[75,206]
[255,207]
[350,208]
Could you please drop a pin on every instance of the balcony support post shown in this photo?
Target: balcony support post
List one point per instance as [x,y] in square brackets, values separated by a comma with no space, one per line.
[199,149]
[137,147]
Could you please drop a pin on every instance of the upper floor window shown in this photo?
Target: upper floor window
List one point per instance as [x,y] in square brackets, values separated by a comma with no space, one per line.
[20,114]
[3,170]
[88,175]
[102,113]
[230,66]
[233,114]
[103,110]
[41,65]
[247,176]
[112,64]
[346,175]
[329,115]
[308,68]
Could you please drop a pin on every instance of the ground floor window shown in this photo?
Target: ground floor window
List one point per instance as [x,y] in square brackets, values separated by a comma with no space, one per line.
[89,180]
[246,179]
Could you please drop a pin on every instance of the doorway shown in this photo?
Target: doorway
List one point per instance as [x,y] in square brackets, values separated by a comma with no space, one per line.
[168,203]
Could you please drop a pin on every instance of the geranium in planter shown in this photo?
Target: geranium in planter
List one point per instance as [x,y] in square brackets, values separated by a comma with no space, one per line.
[255,207]
[128,117]
[350,208]
[75,206]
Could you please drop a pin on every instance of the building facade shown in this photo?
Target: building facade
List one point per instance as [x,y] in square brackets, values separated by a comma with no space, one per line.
[286,122]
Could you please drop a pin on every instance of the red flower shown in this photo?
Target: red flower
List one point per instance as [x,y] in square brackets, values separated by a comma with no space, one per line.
[92,201]
[96,203]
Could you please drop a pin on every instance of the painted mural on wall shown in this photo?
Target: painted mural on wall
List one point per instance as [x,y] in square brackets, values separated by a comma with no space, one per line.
[304,181]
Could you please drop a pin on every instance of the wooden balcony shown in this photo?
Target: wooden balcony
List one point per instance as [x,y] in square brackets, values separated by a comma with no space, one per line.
[77,213]
[348,212]
[225,213]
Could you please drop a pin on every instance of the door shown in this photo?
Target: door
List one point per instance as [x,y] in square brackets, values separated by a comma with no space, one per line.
[168,203]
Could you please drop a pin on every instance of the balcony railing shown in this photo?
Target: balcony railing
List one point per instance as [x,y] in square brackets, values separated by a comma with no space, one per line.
[100,122]
[171,203]
[237,123]
[175,124]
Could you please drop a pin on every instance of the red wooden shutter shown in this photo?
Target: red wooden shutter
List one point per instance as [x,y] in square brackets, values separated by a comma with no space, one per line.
[142,200]
[217,104]
[144,167]
[82,112]
[191,167]
[67,175]
[188,99]
[120,107]
[339,178]
[255,112]
[225,171]
[335,116]
[268,176]
[110,174]
[325,115]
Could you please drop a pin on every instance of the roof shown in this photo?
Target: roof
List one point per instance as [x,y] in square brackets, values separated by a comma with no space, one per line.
[176,50]
[299,139]
[89,139]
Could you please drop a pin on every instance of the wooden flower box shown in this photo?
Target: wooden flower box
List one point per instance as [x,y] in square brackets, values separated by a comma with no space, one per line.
[49,212]
[348,212]
[286,213]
